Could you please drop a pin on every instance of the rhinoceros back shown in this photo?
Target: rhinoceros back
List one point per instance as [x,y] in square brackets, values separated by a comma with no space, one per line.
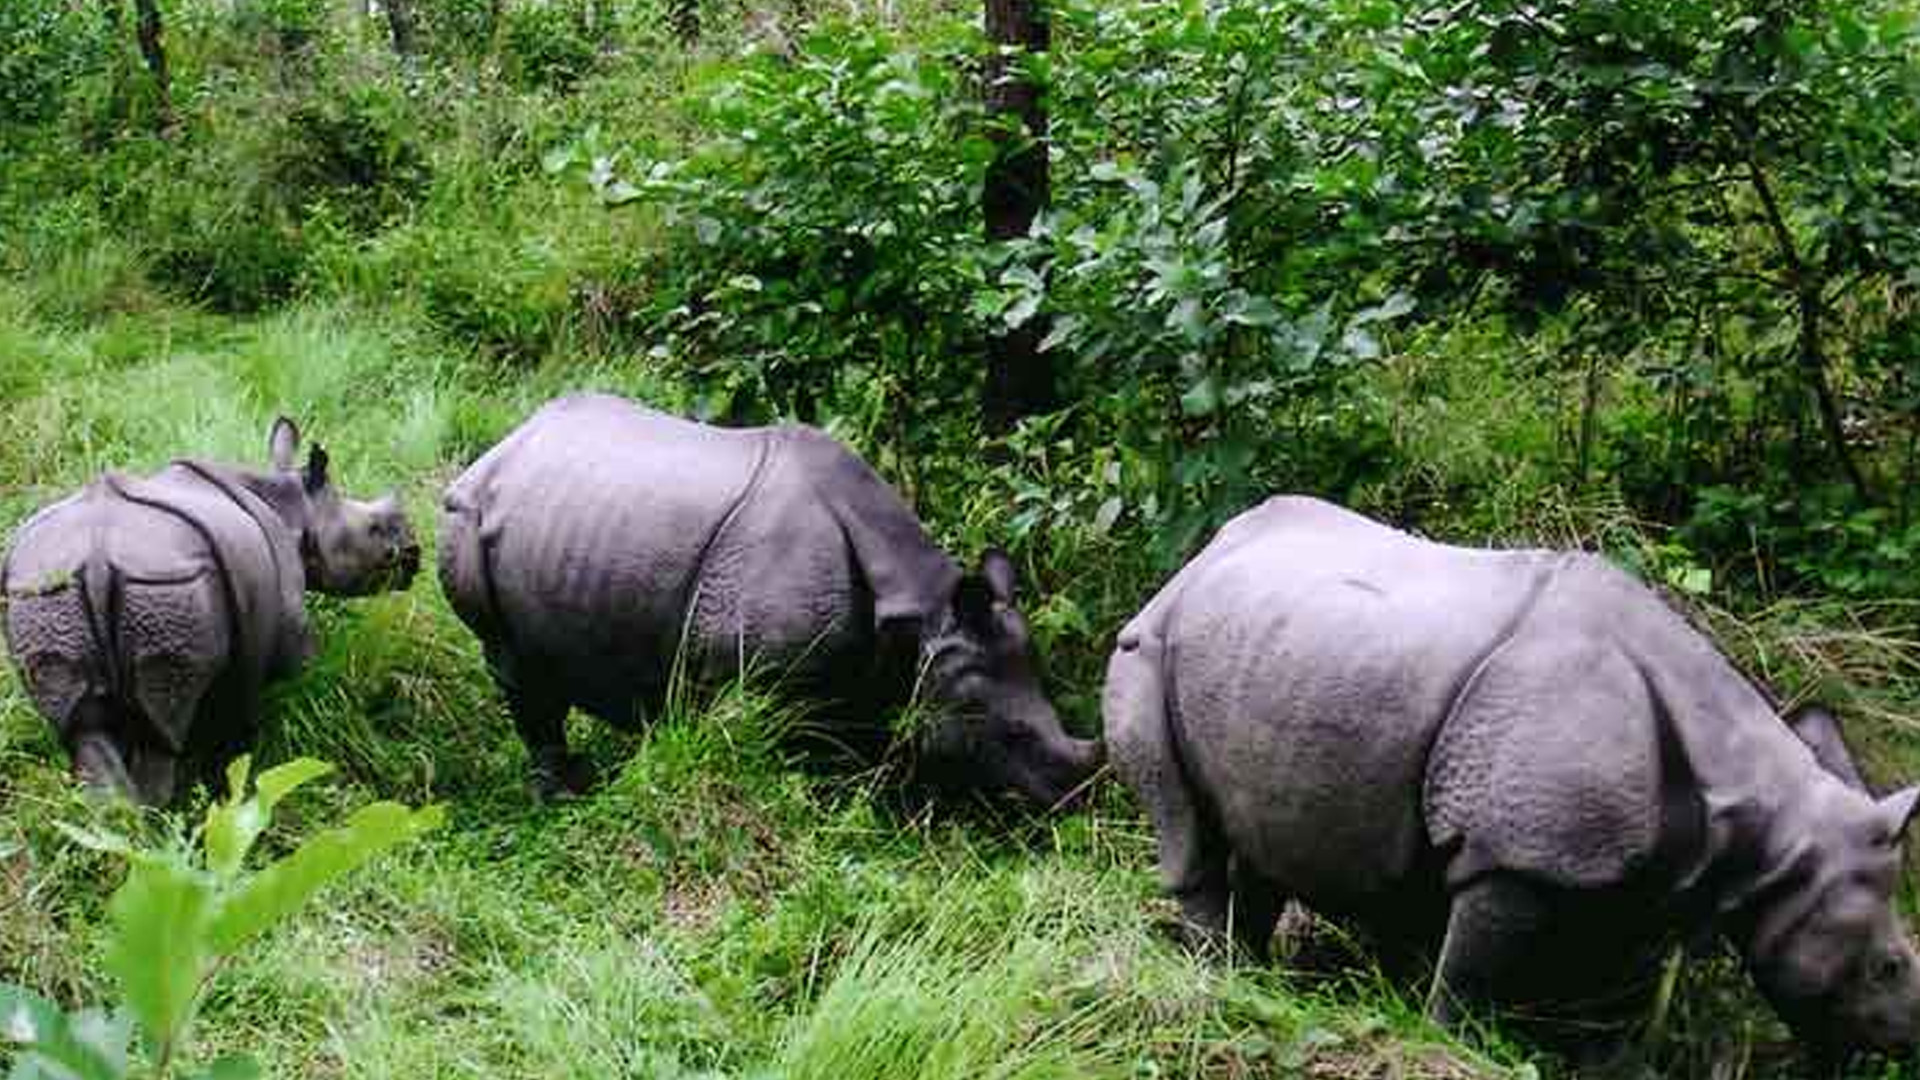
[1313,656]
[146,592]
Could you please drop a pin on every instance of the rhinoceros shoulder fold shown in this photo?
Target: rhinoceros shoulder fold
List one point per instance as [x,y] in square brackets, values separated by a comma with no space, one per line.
[255,555]
[910,577]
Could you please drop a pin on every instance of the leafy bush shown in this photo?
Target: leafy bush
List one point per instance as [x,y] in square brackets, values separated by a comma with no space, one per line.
[45,47]
[353,147]
[828,219]
[180,915]
[547,46]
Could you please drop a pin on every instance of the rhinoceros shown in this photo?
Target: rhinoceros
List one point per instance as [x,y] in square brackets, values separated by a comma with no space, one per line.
[1522,763]
[603,546]
[146,614]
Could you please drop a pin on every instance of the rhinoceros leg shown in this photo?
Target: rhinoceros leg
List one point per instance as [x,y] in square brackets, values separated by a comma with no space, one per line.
[1495,929]
[1194,857]
[95,751]
[540,717]
[1255,906]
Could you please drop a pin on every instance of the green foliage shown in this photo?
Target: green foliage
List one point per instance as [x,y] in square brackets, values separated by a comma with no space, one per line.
[826,220]
[46,46]
[548,45]
[179,917]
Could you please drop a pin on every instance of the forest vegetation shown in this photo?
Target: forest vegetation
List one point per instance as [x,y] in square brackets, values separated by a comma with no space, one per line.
[1635,276]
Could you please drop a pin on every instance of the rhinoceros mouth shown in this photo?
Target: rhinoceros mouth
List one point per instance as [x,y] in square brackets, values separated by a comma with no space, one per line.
[406,566]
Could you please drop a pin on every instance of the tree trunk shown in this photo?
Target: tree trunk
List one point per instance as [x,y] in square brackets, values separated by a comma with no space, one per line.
[400,25]
[685,16]
[114,11]
[154,50]
[1807,287]
[1020,378]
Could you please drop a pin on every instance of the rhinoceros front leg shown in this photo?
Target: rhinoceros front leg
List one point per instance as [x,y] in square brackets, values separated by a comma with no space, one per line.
[1495,928]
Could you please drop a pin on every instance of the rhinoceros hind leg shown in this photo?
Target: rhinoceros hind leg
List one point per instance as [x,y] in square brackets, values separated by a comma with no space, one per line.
[1193,851]
[540,717]
[1256,905]
[1494,929]
[97,760]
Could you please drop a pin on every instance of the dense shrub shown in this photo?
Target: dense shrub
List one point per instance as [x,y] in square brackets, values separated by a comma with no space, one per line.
[46,46]
[827,219]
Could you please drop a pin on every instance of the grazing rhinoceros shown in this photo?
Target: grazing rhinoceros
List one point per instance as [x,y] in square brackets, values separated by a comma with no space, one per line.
[602,544]
[1524,759]
[146,614]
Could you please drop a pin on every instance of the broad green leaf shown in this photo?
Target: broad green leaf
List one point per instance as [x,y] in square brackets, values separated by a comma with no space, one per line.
[233,826]
[1391,308]
[280,889]
[557,160]
[1202,399]
[1022,310]
[158,951]
[88,1045]
[280,781]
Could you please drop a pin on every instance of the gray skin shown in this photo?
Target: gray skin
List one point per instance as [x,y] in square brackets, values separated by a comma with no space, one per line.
[602,546]
[145,615]
[1522,762]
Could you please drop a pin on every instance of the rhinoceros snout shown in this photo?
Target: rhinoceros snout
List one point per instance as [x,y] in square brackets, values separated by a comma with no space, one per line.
[1067,776]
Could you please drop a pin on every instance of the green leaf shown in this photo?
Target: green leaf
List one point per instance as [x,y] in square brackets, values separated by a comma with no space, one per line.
[280,781]
[1360,344]
[557,160]
[1852,35]
[233,826]
[283,887]
[158,951]
[105,843]
[1203,399]
[1391,308]
[618,193]
[1694,581]
[57,1047]
[1108,513]
[1022,310]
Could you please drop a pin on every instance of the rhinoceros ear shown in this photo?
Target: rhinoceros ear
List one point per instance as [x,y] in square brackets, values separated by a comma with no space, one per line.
[283,443]
[1820,730]
[998,571]
[315,477]
[1898,810]
[973,605]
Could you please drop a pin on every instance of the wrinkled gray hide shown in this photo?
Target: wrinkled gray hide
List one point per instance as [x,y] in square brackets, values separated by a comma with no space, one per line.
[145,614]
[601,543]
[1519,761]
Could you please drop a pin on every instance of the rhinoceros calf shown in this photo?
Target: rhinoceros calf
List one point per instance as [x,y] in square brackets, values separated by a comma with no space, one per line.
[601,544]
[146,614]
[1522,759]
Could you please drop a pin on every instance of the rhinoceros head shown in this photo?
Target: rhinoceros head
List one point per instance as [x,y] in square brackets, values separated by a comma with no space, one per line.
[349,547]
[991,726]
[1829,950]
